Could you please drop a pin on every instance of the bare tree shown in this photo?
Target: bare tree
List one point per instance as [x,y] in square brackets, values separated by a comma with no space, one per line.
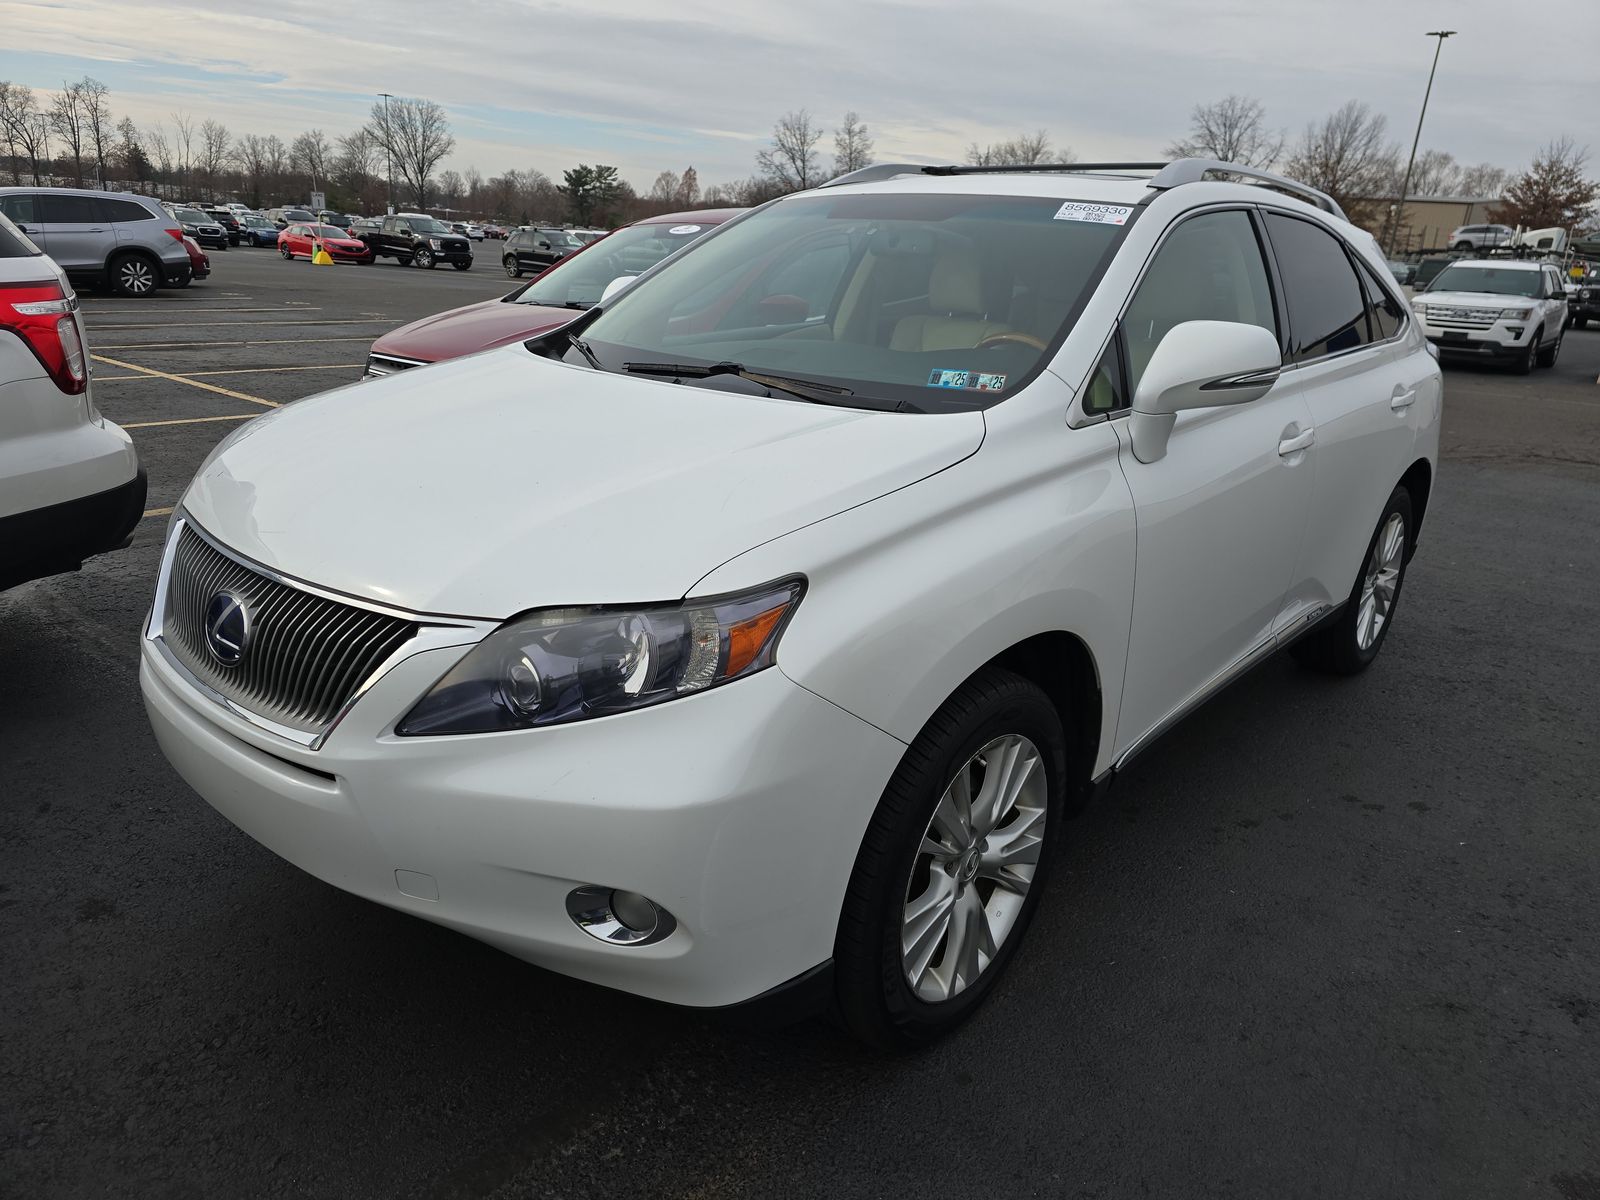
[215,145]
[451,189]
[1554,190]
[665,189]
[1434,173]
[26,129]
[67,121]
[1233,129]
[852,146]
[159,148]
[309,154]
[98,126]
[1022,151]
[183,148]
[250,152]
[130,153]
[1485,179]
[356,165]
[688,193]
[791,161]
[1347,156]
[416,134]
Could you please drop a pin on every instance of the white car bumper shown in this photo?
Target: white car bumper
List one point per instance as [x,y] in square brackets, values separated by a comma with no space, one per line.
[740,811]
[1498,339]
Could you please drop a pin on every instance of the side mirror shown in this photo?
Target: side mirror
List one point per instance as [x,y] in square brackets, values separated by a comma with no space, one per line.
[615,286]
[1200,364]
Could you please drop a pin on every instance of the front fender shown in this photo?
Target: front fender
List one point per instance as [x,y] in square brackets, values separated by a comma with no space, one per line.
[912,593]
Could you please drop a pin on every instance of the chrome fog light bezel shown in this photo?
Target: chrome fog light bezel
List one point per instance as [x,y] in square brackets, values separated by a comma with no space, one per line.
[592,909]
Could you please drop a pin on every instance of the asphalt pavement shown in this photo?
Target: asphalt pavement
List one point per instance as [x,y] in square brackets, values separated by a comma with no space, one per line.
[1326,939]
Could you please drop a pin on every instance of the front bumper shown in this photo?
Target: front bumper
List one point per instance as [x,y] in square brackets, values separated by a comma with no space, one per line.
[1503,339]
[740,811]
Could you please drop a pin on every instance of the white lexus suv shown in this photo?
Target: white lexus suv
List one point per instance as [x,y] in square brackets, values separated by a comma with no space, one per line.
[1510,310]
[753,636]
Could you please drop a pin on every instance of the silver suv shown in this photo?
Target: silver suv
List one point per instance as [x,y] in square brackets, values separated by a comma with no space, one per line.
[1480,237]
[102,238]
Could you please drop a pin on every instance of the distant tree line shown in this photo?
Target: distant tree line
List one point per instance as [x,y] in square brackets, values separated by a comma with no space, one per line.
[73,137]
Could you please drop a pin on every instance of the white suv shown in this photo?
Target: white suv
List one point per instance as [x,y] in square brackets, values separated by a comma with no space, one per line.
[754,635]
[70,482]
[1501,308]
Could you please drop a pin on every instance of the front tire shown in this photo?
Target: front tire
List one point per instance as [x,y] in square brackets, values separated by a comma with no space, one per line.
[1547,357]
[1348,644]
[512,266]
[423,258]
[952,865]
[462,266]
[1580,322]
[1523,363]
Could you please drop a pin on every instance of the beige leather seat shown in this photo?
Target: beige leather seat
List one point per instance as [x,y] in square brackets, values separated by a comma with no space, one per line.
[955,294]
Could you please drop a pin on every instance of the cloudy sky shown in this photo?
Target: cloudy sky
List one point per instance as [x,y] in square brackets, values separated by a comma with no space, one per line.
[647,85]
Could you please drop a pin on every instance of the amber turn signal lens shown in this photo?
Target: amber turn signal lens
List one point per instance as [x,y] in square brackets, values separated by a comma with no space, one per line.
[748,638]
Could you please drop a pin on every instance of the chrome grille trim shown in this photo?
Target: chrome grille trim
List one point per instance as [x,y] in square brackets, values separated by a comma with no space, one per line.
[388,364]
[308,655]
[300,607]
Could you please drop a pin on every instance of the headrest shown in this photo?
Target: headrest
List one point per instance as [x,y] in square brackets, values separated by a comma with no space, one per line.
[956,284]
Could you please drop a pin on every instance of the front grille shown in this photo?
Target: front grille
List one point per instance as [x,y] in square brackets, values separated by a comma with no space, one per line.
[388,364]
[1461,318]
[307,654]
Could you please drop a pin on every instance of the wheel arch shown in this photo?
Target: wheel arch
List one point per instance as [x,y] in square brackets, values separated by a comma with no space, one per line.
[1418,481]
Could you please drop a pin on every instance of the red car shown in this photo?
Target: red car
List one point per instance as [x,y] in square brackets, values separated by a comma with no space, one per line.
[301,241]
[554,297]
[199,261]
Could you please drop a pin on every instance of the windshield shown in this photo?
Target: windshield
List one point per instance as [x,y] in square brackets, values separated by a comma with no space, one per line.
[193,215]
[577,282]
[1501,281]
[296,214]
[428,225]
[933,301]
[328,231]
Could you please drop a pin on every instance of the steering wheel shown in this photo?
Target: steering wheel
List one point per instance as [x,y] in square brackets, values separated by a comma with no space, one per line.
[1001,339]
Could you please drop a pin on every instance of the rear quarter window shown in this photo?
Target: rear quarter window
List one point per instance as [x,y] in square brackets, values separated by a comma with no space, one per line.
[126,210]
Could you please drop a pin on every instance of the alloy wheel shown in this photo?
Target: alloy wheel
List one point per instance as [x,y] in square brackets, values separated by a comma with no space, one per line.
[1382,579]
[136,276]
[974,867]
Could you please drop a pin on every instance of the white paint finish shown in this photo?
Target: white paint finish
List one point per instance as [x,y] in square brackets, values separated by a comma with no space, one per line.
[534,483]
[1220,519]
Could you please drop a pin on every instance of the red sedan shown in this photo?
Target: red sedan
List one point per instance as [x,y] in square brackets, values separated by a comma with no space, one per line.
[555,297]
[302,241]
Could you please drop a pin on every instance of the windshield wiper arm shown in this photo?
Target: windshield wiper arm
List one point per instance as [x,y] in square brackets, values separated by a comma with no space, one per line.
[803,389]
[582,347]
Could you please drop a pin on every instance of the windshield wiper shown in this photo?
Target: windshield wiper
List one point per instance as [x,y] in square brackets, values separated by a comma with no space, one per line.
[582,347]
[803,389]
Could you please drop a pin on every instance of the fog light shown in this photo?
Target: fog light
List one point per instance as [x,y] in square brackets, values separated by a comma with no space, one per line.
[620,917]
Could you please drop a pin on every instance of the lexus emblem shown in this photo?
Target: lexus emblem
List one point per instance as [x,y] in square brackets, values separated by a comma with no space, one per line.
[227,628]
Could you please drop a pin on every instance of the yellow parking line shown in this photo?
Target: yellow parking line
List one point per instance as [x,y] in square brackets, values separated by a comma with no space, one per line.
[191,421]
[157,512]
[208,387]
[236,371]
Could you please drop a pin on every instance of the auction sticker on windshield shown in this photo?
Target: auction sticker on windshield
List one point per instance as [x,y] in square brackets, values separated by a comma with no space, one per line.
[966,380]
[1095,214]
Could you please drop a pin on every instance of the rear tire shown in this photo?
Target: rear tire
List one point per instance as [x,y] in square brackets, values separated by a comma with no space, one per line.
[910,912]
[1462,246]
[134,275]
[1348,644]
[284,250]
[512,266]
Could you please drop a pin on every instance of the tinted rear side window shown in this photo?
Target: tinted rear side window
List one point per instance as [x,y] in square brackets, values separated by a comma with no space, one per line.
[127,210]
[70,210]
[19,208]
[13,242]
[1327,308]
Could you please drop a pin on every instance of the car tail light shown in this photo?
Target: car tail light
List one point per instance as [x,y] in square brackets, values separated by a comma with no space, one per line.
[175,234]
[45,317]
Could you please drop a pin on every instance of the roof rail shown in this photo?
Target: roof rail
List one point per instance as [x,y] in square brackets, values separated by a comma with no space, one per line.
[1194,170]
[1167,175]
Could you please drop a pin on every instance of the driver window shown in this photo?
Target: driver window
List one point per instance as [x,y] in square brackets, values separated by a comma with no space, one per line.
[1209,269]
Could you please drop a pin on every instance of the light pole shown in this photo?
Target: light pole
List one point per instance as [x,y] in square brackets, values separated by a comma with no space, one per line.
[388,154]
[1399,211]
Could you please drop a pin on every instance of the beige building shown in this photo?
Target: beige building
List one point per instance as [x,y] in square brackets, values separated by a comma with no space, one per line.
[1427,221]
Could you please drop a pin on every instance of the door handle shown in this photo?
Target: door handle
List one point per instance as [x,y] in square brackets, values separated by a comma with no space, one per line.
[1402,399]
[1293,445]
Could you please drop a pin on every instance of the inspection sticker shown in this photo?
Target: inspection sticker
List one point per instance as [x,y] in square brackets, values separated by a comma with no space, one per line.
[1095,214]
[680,230]
[967,380]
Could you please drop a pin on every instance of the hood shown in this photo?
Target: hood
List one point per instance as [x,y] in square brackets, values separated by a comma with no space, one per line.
[504,482]
[471,328]
[1475,299]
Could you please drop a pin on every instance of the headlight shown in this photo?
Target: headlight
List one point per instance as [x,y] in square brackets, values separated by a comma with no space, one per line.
[188,229]
[1516,314]
[560,665]
[436,243]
